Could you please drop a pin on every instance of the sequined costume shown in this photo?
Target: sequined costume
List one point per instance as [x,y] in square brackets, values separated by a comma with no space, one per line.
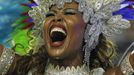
[97,14]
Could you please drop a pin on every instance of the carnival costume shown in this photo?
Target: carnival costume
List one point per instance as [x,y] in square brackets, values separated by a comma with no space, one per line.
[97,14]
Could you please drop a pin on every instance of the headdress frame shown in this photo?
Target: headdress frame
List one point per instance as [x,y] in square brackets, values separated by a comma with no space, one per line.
[96,13]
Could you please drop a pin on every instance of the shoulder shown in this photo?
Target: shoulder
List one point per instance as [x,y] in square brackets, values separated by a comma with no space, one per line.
[131,59]
[127,65]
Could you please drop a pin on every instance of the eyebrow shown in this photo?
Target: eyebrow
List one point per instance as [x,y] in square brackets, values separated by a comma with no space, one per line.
[55,11]
[70,9]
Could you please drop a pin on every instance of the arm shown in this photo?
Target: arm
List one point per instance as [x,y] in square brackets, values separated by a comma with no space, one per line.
[113,71]
[127,66]
[131,59]
[6,59]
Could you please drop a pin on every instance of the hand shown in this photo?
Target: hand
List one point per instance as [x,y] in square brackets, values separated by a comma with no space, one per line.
[113,71]
[131,59]
[1,49]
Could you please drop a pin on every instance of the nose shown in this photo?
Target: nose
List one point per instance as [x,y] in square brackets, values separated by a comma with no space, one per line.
[58,18]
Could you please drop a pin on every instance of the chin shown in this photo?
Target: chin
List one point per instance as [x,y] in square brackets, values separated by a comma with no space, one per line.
[55,53]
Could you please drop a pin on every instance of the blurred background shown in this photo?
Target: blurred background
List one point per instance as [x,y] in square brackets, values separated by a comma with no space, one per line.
[10,11]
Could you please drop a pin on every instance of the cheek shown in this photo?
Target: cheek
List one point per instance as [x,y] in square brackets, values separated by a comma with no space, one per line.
[75,21]
[46,26]
[76,28]
[47,23]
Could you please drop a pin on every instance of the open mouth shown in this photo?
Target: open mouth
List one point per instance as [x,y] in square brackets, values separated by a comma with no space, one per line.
[57,36]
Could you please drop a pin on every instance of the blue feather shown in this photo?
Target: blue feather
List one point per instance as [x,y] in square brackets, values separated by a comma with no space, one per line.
[10,11]
[128,11]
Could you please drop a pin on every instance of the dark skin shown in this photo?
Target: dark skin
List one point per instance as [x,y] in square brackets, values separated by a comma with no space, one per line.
[113,71]
[17,57]
[74,61]
[71,55]
[117,70]
[131,59]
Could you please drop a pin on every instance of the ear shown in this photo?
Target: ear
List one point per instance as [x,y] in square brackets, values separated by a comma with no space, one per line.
[131,59]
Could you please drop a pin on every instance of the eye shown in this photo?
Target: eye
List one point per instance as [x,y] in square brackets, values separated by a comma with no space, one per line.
[69,12]
[50,14]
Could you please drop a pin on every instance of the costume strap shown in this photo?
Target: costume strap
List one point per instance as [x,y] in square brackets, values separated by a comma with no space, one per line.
[126,67]
[125,54]
[6,60]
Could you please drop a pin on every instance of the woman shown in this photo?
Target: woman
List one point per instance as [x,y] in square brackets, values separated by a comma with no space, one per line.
[74,34]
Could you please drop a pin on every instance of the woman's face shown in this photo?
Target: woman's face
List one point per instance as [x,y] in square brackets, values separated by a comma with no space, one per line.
[63,31]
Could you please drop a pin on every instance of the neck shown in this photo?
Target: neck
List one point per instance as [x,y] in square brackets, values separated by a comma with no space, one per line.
[75,61]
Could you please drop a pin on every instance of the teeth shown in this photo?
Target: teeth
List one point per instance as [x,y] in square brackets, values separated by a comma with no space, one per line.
[58,29]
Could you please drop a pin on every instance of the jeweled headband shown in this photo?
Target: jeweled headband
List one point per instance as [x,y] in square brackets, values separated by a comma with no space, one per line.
[96,13]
